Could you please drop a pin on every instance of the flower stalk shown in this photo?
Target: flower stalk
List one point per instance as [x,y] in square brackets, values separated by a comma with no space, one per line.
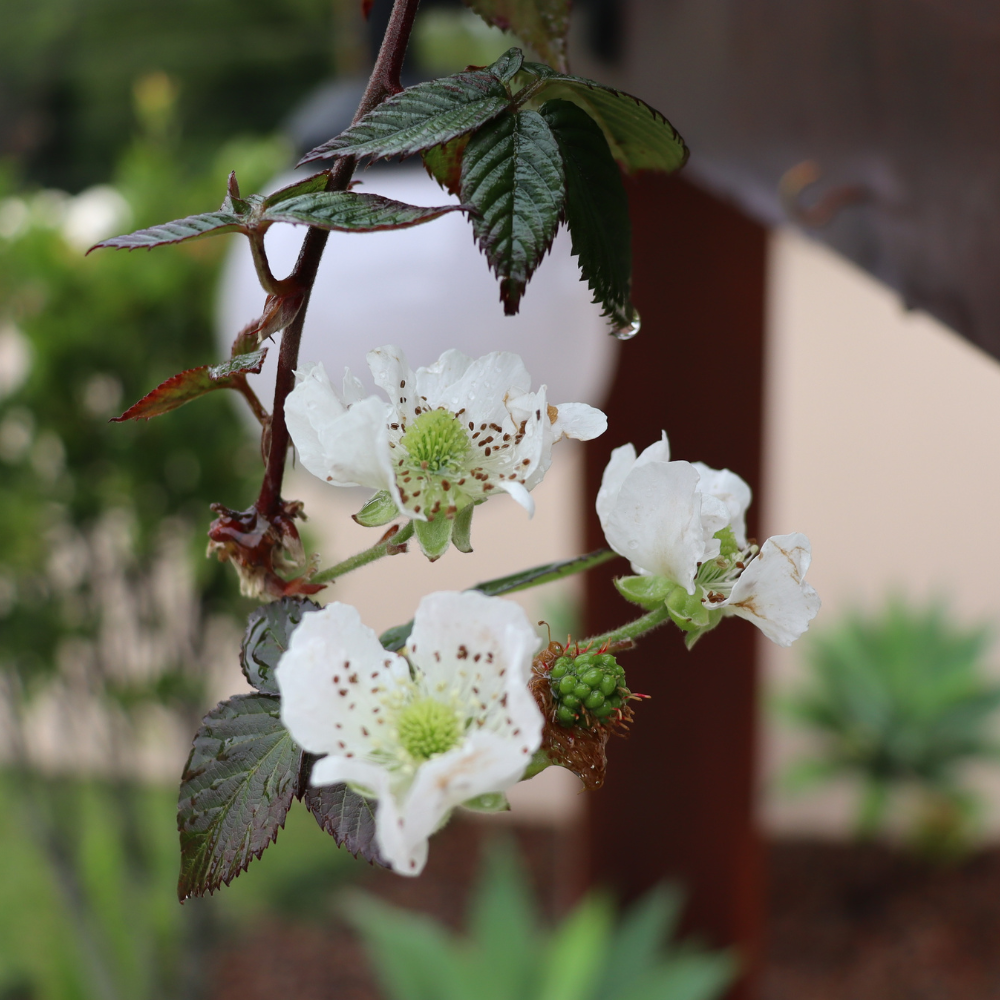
[390,544]
[383,83]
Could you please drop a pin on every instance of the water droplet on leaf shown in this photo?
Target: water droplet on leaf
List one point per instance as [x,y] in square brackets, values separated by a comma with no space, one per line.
[629,330]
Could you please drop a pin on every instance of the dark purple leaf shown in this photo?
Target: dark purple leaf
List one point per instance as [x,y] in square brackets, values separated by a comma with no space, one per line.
[269,629]
[348,817]
[235,792]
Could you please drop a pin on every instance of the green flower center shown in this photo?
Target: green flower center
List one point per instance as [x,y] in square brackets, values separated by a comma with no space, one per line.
[427,728]
[728,546]
[436,440]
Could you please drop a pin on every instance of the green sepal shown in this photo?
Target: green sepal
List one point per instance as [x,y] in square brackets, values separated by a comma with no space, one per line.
[434,536]
[687,611]
[714,617]
[648,592]
[490,802]
[461,532]
[728,546]
[378,510]
[540,760]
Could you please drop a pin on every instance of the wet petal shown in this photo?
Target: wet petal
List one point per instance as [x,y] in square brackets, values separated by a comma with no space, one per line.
[772,591]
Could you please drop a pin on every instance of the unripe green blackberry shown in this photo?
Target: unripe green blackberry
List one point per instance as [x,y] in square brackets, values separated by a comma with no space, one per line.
[587,688]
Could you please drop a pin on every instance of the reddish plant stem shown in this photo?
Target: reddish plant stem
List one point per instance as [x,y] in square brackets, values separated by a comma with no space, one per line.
[383,83]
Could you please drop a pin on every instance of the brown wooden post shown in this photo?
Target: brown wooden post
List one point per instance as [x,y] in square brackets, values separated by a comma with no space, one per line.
[679,799]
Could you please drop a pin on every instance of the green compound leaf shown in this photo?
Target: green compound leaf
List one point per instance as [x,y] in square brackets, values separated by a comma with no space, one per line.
[640,138]
[347,817]
[268,632]
[350,211]
[596,208]
[191,228]
[542,24]
[426,115]
[444,163]
[512,175]
[235,792]
[306,186]
[185,386]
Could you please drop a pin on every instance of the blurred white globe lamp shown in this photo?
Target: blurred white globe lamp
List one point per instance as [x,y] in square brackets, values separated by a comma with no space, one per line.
[425,289]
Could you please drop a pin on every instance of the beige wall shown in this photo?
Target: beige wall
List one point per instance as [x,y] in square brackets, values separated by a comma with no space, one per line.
[882,444]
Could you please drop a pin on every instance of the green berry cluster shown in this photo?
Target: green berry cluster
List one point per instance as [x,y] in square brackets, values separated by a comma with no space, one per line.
[587,687]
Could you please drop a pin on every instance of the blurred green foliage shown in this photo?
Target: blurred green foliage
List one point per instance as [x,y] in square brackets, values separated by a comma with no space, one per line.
[901,700]
[509,955]
[144,940]
[99,332]
[67,70]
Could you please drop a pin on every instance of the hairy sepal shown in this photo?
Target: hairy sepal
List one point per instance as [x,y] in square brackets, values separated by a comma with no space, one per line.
[649,592]
[380,509]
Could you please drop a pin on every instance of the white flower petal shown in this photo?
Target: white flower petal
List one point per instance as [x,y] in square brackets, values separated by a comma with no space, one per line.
[658,451]
[354,390]
[619,466]
[480,647]
[656,521]
[346,446]
[733,491]
[580,421]
[772,592]
[333,678]
[485,762]
[520,494]
[313,394]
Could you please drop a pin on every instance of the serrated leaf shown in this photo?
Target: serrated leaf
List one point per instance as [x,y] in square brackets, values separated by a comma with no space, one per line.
[640,138]
[317,182]
[420,117]
[235,791]
[268,632]
[444,163]
[352,211]
[348,817]
[191,228]
[185,386]
[512,175]
[596,208]
[542,24]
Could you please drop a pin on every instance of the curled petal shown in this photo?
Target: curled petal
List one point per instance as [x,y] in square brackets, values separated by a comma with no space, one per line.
[346,446]
[772,591]
[733,491]
[577,420]
[520,494]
